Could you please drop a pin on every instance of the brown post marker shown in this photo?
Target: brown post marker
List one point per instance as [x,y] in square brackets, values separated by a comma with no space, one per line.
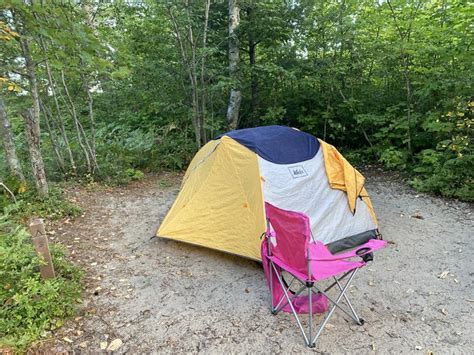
[42,248]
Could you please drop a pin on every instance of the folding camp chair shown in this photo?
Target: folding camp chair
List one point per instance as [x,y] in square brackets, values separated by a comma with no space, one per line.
[289,247]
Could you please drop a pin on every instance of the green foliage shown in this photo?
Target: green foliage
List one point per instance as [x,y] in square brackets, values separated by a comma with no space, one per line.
[450,178]
[54,206]
[134,174]
[124,154]
[448,169]
[393,158]
[30,306]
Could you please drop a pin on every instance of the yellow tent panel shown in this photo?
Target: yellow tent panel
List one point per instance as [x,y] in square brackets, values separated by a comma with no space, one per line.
[220,205]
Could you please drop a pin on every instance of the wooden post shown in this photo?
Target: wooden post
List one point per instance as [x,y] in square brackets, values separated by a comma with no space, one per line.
[40,242]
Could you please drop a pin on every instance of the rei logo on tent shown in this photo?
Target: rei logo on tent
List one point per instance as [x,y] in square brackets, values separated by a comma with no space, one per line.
[297,171]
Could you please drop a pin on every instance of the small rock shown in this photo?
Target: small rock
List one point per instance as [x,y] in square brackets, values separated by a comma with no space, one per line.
[443,275]
[418,347]
[66,339]
[103,345]
[83,344]
[115,345]
[247,290]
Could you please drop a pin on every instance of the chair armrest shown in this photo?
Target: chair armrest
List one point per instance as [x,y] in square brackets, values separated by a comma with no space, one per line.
[319,252]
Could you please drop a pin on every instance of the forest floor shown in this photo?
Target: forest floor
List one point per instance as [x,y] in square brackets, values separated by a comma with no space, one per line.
[155,295]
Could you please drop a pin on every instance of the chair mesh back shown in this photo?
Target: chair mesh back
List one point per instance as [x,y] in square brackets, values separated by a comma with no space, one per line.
[292,232]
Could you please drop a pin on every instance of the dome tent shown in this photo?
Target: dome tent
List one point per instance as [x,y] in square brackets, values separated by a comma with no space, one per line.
[221,201]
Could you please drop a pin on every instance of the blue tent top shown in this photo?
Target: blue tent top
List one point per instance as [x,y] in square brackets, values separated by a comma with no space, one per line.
[278,144]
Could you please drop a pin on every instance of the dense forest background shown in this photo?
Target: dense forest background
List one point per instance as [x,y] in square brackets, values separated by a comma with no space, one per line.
[96,90]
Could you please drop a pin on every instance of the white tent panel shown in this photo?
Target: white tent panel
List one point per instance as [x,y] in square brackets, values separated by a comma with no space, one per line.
[304,187]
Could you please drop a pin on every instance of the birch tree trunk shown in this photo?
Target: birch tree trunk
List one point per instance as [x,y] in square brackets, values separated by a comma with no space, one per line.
[8,144]
[234,57]
[32,130]
[90,106]
[81,134]
[32,120]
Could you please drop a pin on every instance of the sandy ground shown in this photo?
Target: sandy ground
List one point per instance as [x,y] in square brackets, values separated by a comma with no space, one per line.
[162,296]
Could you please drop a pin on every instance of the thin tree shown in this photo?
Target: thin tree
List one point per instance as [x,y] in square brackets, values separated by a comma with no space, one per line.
[8,144]
[32,130]
[32,117]
[188,47]
[405,36]
[235,98]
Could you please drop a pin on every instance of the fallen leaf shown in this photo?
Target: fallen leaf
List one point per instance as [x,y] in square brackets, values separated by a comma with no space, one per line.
[115,345]
[470,300]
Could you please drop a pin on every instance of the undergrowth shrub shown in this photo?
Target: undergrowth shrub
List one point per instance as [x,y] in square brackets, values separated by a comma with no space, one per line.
[28,204]
[29,306]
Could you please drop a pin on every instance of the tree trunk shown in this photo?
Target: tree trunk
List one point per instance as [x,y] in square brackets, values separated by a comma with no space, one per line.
[192,77]
[32,119]
[52,137]
[194,80]
[90,105]
[235,95]
[32,129]
[207,5]
[405,40]
[9,145]
[81,134]
[254,112]
[52,88]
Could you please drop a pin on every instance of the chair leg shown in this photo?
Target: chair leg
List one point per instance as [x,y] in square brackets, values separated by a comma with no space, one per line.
[271,288]
[291,306]
[280,306]
[354,317]
[335,305]
[310,321]
[359,321]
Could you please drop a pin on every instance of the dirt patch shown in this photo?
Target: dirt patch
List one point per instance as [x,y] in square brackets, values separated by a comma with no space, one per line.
[157,295]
